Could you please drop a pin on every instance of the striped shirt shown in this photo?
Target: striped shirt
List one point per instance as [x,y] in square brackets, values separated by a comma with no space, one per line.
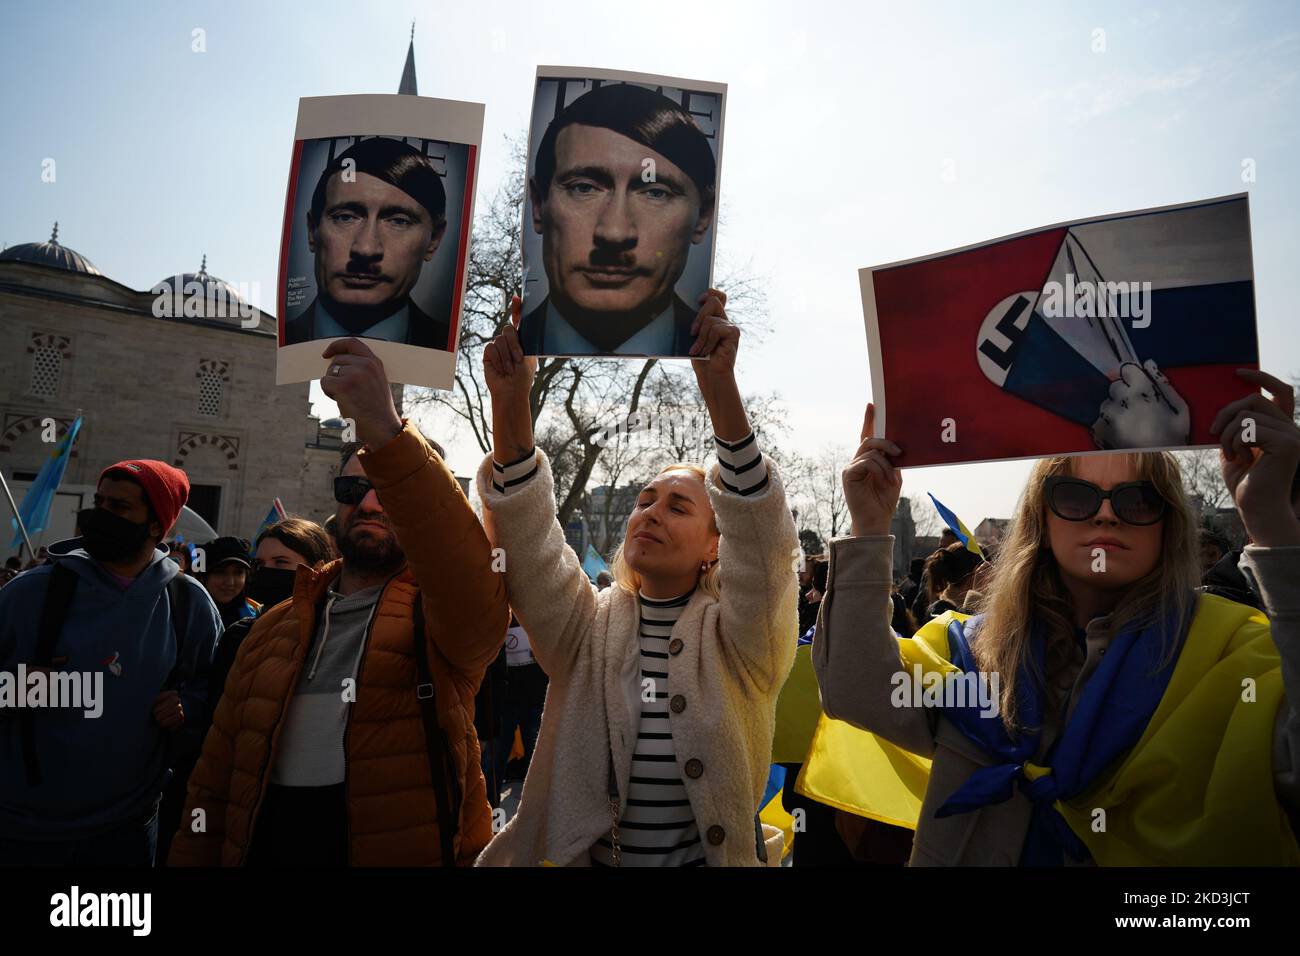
[741,467]
[506,478]
[658,827]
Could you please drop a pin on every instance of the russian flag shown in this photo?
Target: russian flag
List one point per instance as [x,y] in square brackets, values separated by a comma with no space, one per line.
[1088,321]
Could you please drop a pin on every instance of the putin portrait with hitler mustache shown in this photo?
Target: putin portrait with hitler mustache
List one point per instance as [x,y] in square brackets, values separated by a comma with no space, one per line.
[623,188]
[377,215]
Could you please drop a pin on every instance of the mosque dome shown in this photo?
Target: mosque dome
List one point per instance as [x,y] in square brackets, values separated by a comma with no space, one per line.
[202,292]
[50,254]
[211,285]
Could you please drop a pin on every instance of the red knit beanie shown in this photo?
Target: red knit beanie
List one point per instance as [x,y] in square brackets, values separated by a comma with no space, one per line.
[166,488]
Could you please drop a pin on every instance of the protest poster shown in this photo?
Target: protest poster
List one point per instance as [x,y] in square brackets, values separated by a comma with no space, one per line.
[619,220]
[1117,332]
[376,233]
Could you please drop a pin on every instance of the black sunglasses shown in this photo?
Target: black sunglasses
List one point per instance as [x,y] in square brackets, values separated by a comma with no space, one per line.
[350,489]
[1134,502]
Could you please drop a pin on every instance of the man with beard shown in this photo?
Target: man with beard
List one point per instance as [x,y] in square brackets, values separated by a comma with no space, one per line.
[128,638]
[344,736]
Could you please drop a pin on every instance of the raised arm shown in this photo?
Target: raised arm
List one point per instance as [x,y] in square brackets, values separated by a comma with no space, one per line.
[1261,475]
[465,609]
[464,599]
[758,544]
[855,652]
[757,554]
[545,583]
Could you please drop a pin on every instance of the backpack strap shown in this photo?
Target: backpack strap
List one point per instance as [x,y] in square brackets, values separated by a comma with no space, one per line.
[441,767]
[54,612]
[178,601]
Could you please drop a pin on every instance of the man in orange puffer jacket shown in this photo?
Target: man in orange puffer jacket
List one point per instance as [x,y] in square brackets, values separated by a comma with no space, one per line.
[337,741]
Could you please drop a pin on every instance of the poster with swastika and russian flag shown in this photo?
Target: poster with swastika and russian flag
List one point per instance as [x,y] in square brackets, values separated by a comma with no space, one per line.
[1118,332]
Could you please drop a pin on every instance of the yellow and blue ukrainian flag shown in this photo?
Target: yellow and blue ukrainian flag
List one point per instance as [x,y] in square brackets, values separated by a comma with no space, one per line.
[772,810]
[797,710]
[954,523]
[1202,767]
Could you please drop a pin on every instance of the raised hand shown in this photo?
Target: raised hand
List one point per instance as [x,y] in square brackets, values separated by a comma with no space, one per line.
[509,373]
[506,370]
[871,482]
[356,380]
[716,339]
[1142,411]
[1259,473]
[716,342]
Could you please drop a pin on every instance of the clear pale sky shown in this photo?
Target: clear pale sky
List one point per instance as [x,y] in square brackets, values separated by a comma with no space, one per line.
[840,119]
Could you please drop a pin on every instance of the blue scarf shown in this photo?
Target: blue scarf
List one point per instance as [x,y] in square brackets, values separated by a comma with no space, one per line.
[1110,716]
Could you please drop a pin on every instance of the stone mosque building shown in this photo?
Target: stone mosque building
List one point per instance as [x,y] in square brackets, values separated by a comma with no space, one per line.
[194,387]
[196,391]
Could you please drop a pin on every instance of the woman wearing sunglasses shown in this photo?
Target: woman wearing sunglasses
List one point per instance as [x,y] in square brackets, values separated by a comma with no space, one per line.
[656,738]
[1122,718]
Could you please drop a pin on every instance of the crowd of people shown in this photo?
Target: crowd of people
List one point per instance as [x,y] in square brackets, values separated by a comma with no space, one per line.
[352,694]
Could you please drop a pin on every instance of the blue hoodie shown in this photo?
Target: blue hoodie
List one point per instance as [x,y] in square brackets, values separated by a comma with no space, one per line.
[98,773]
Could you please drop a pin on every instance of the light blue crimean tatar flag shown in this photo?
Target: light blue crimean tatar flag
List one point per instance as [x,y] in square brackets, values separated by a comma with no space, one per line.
[35,509]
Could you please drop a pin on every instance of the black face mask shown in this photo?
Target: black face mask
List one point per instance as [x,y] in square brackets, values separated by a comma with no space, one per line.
[110,538]
[270,586]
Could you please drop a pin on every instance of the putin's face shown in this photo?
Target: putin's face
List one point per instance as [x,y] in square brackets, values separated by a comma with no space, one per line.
[371,242]
[617,224]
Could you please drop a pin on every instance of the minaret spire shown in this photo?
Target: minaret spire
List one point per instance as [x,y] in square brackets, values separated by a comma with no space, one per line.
[407,86]
[54,236]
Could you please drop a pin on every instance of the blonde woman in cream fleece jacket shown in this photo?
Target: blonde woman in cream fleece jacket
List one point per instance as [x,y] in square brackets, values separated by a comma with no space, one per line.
[656,739]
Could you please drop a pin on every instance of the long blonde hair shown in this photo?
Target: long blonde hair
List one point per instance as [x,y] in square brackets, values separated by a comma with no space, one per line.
[708,582]
[1026,585]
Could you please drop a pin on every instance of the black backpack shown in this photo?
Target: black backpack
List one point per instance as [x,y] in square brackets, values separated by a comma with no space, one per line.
[54,613]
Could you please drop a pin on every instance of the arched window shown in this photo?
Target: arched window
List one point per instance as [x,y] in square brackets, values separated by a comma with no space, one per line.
[47,366]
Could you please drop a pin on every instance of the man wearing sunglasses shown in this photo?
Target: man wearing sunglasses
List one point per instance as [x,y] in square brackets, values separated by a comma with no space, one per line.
[344,735]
